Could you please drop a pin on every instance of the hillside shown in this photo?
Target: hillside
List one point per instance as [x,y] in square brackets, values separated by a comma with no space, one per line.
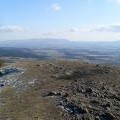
[59,90]
[52,49]
[58,43]
[1,63]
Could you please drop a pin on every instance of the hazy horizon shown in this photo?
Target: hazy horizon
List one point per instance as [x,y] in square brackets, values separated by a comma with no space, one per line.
[78,20]
[56,39]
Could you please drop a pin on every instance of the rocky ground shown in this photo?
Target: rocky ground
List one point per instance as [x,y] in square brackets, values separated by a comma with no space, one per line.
[59,90]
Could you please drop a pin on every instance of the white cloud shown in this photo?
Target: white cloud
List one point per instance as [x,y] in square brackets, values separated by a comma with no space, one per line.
[118,1]
[55,7]
[59,32]
[89,33]
[11,29]
[74,30]
[49,33]
[114,1]
[107,28]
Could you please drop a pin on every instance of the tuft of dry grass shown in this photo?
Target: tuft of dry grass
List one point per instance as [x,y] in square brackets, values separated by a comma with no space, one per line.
[1,62]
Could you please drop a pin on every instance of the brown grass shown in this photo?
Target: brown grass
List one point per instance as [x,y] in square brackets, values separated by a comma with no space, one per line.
[1,62]
[30,105]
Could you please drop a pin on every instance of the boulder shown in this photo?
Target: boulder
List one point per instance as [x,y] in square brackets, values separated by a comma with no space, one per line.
[107,116]
[47,94]
[2,85]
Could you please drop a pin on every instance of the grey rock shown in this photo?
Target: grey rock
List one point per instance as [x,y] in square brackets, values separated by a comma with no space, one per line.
[70,107]
[89,90]
[51,94]
[107,116]
[2,85]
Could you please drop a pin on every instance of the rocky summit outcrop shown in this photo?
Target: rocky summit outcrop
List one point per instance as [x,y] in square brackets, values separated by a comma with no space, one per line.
[62,90]
[9,76]
[89,94]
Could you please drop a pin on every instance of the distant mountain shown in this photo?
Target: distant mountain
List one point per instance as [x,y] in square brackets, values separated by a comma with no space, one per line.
[59,43]
[34,43]
[44,49]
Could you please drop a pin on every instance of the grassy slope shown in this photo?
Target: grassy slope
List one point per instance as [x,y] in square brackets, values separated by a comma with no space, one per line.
[30,105]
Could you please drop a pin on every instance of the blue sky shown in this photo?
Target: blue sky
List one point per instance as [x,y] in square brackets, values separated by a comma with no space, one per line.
[69,19]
